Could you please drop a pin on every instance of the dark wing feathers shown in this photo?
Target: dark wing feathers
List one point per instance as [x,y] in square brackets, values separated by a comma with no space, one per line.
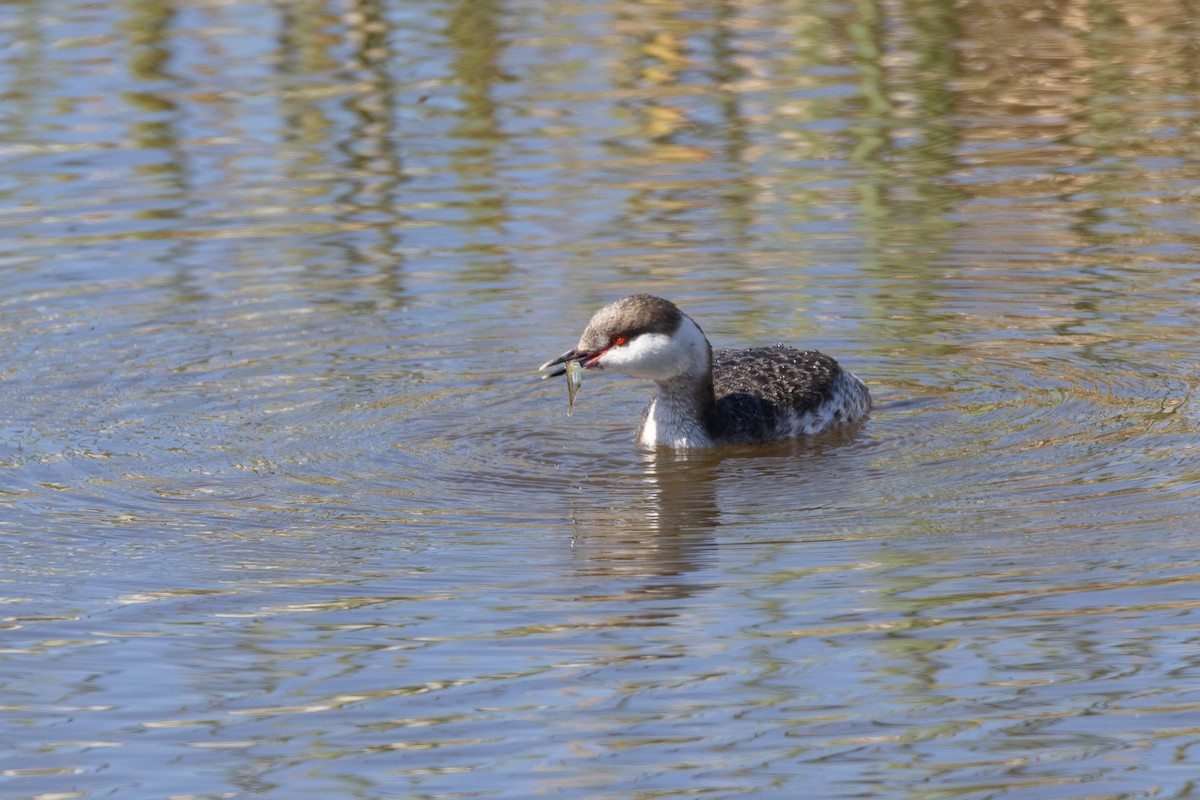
[757,387]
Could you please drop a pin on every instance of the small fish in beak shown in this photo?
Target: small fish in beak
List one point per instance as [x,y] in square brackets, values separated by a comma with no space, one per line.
[574,381]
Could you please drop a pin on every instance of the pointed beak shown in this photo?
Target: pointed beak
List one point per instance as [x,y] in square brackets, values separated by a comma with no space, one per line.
[554,368]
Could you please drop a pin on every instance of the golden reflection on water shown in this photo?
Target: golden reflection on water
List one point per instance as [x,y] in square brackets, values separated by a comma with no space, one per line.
[933,87]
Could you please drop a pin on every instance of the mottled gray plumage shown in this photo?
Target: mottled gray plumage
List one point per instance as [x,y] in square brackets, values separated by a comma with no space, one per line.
[761,389]
[760,394]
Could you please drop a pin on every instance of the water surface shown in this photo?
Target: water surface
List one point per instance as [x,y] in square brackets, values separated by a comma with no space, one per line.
[285,511]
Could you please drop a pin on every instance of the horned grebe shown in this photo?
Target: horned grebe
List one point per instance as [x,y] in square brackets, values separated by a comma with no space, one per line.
[707,398]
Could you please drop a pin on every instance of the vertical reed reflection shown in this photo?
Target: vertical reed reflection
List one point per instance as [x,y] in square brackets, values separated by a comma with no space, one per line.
[371,146]
[473,31]
[357,129]
[476,155]
[157,126]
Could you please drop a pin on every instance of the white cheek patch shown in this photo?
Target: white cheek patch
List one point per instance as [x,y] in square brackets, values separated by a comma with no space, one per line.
[659,357]
[646,356]
[645,349]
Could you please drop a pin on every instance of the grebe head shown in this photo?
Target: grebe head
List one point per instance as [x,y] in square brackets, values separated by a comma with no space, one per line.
[642,336]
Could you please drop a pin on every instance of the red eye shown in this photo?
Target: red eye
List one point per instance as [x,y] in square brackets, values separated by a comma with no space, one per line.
[619,340]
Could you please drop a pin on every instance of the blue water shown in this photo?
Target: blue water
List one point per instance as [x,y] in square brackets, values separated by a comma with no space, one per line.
[285,511]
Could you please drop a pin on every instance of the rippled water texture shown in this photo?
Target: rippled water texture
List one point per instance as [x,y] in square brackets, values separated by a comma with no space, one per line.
[286,513]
